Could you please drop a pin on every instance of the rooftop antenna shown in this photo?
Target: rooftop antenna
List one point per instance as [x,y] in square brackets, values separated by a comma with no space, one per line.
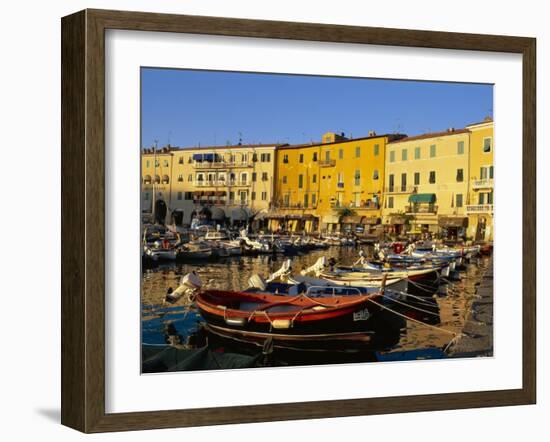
[240,138]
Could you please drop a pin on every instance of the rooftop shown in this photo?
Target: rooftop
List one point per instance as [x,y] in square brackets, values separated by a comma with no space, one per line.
[432,135]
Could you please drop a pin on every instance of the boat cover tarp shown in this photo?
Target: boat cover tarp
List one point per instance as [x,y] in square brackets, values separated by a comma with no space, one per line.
[422,198]
[160,358]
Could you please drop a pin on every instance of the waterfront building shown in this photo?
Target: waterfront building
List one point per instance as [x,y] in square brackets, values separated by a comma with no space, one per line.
[480,202]
[427,178]
[226,184]
[330,186]
[156,184]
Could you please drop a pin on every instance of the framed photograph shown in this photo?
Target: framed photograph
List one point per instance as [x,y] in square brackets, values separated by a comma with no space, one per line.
[266,221]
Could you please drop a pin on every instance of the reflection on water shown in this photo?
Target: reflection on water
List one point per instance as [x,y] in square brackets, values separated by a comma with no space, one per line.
[180,324]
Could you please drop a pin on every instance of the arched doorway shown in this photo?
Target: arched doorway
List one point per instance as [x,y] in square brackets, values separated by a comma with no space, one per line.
[480,230]
[160,211]
[177,217]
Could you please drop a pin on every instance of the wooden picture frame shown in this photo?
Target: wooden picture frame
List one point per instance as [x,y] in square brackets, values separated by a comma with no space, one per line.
[83,219]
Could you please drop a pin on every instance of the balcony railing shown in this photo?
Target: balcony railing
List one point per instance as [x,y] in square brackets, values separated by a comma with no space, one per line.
[421,208]
[479,208]
[486,183]
[327,163]
[218,183]
[220,164]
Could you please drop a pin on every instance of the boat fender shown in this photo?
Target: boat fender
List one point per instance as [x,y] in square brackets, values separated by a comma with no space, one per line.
[235,321]
[281,323]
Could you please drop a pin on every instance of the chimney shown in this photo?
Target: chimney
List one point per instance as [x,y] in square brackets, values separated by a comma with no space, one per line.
[372,133]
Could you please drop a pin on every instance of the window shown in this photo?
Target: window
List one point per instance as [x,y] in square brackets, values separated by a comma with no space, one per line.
[180,160]
[146,195]
[340,179]
[264,176]
[284,180]
[432,151]
[180,196]
[300,181]
[190,177]
[357,177]
[485,198]
[188,195]
[392,156]
[286,199]
[416,178]
[376,150]
[157,163]
[390,202]
[254,177]
[491,172]
[264,196]
[327,155]
[301,158]
[244,178]
[313,199]
[487,144]
[314,156]
[232,196]
[180,178]
[266,158]
[459,202]
[403,182]
[253,196]
[481,198]
[460,148]
[147,163]
[243,196]
[459,175]
[285,158]
[404,155]
[306,200]
[314,178]
[490,198]
[165,163]
[432,177]
[417,153]
[375,174]
[341,154]
[391,183]
[254,157]
[358,152]
[244,158]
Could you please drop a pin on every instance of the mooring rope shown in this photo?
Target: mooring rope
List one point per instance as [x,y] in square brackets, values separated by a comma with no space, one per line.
[414,320]
[411,306]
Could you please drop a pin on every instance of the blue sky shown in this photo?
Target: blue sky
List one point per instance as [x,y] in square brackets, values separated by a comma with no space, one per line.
[187,108]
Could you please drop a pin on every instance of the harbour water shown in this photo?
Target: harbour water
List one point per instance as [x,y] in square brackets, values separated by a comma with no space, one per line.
[181,324]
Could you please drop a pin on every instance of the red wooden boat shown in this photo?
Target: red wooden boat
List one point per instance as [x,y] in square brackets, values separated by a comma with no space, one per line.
[256,317]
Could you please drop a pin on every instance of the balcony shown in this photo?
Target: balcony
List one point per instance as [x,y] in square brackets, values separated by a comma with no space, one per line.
[327,163]
[486,183]
[400,189]
[479,208]
[421,208]
[220,164]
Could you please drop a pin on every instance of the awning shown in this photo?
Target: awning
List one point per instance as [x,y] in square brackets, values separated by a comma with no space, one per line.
[370,220]
[239,215]
[221,193]
[217,214]
[210,157]
[422,198]
[395,219]
[351,220]
[453,221]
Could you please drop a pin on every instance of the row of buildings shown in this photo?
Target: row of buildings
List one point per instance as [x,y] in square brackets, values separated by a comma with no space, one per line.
[440,183]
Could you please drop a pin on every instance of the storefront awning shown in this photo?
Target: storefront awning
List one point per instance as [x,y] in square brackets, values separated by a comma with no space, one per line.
[422,198]
[217,214]
[239,215]
[370,220]
[453,221]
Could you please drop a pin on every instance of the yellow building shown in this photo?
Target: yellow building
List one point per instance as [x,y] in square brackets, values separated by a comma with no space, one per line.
[427,180]
[221,183]
[480,202]
[315,181]
[156,187]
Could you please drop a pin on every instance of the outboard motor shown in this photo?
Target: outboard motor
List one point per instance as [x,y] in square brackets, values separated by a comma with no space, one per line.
[257,282]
